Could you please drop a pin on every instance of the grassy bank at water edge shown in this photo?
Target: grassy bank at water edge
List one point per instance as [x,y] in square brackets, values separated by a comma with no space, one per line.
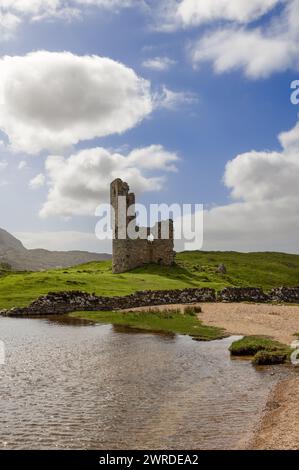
[176,321]
[262,350]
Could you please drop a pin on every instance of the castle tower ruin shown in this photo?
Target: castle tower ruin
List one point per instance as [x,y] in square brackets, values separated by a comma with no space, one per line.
[129,253]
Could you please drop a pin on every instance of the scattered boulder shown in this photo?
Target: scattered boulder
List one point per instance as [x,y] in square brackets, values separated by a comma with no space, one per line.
[221,269]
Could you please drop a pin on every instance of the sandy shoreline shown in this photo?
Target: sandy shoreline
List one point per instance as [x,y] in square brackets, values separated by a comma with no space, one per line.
[278,428]
[279,322]
[279,425]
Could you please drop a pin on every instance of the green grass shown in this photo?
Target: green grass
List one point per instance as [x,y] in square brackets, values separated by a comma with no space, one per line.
[263,358]
[193,269]
[250,345]
[264,350]
[168,321]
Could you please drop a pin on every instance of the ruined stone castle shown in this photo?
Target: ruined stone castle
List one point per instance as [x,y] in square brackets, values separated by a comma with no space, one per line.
[149,245]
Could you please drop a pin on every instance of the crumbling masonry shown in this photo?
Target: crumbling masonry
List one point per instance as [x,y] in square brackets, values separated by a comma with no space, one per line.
[128,253]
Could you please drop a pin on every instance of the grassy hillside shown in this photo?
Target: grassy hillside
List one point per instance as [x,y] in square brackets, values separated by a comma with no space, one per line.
[193,269]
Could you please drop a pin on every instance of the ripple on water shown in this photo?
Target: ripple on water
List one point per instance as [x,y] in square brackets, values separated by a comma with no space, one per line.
[96,387]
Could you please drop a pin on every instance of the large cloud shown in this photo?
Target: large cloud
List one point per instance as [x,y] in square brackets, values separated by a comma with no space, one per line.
[52,100]
[258,51]
[265,214]
[78,184]
[232,35]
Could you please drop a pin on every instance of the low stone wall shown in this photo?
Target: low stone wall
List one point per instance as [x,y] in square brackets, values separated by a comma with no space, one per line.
[56,303]
[242,294]
[255,294]
[285,294]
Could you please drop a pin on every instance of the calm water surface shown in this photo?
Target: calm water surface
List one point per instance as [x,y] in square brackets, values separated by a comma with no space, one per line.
[80,386]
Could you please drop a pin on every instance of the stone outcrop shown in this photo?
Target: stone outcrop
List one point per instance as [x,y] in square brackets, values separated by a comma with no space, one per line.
[242,294]
[222,269]
[151,245]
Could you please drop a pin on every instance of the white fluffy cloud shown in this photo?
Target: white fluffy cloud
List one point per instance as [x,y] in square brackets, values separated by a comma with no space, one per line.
[258,51]
[265,214]
[78,184]
[230,36]
[53,100]
[159,63]
[171,15]
[257,54]
[194,12]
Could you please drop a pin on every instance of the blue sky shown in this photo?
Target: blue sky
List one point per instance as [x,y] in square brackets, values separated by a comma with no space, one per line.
[225,106]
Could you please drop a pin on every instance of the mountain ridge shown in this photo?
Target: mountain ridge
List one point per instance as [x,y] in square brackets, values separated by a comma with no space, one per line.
[19,258]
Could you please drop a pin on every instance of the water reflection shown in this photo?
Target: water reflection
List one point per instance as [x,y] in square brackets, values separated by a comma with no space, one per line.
[137,331]
[97,387]
[66,320]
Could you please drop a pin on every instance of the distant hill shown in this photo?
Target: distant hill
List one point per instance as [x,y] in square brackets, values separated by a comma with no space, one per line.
[13,252]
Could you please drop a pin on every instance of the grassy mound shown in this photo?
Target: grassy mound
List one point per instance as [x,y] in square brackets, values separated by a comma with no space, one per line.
[250,345]
[264,350]
[168,321]
[193,269]
[263,358]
